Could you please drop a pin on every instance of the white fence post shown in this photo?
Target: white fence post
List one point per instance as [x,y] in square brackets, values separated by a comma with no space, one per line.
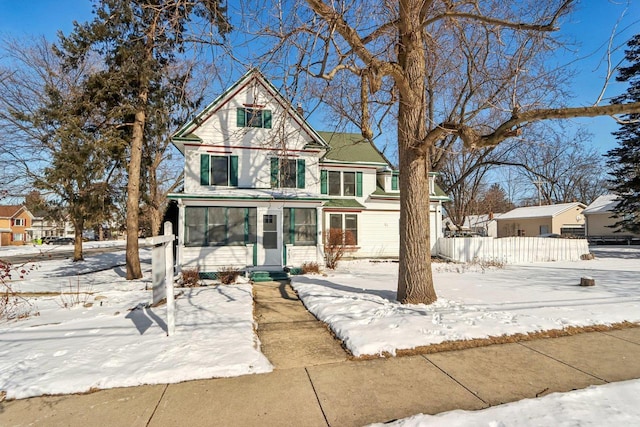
[162,272]
[168,256]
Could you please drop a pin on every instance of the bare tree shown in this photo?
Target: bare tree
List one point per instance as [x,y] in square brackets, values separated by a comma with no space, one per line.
[562,167]
[59,142]
[416,46]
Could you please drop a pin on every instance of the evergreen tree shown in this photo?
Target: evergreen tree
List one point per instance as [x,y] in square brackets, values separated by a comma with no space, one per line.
[139,41]
[624,160]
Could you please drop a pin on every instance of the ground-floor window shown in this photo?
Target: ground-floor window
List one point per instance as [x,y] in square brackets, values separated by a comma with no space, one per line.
[219,226]
[299,226]
[346,222]
[18,237]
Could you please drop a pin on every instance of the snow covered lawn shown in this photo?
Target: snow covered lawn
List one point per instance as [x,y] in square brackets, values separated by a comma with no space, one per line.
[107,344]
[358,300]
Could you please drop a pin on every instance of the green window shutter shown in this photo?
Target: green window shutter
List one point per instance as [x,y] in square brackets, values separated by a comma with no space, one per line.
[266,119]
[204,169]
[241,117]
[275,182]
[394,182]
[246,226]
[323,182]
[301,172]
[292,226]
[233,171]
[358,184]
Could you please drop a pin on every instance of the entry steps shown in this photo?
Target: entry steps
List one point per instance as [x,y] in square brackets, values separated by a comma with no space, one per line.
[268,276]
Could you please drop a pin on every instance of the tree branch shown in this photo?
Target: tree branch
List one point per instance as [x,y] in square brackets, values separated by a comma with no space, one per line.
[513,127]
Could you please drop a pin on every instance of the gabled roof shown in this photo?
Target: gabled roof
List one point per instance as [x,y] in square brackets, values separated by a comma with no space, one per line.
[10,211]
[186,132]
[603,204]
[352,148]
[479,220]
[548,211]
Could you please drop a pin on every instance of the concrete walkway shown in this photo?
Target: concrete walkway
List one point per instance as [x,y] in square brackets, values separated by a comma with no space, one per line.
[314,384]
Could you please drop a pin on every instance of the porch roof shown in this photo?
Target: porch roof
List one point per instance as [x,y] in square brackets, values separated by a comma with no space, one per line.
[343,203]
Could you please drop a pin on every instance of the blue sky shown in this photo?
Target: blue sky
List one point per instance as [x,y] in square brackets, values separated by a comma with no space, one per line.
[590,27]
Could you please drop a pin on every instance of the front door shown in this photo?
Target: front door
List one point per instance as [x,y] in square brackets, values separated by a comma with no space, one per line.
[271,240]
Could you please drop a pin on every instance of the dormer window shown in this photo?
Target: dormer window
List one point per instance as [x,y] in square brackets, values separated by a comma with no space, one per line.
[253,117]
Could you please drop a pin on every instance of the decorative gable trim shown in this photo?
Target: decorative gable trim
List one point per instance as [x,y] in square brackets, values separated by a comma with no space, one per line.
[249,77]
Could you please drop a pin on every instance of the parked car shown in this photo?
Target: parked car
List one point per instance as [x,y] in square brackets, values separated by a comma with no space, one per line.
[48,239]
[63,241]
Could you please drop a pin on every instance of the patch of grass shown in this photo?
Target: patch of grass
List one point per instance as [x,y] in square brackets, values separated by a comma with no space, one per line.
[487,263]
[76,294]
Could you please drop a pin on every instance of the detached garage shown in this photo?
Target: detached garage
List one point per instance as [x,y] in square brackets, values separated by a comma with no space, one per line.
[563,219]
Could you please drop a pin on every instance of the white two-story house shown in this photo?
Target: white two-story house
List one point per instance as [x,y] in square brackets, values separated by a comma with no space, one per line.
[262,187]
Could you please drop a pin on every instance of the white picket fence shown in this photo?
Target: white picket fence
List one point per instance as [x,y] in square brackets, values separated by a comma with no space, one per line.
[510,250]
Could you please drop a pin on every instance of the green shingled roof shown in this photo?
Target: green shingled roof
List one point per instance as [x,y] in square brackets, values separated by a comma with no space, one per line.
[351,147]
[439,194]
[343,203]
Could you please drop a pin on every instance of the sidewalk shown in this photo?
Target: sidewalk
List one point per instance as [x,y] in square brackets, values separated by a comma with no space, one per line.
[314,383]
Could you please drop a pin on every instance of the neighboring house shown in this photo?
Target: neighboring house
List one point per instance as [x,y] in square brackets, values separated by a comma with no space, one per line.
[601,223]
[564,219]
[43,227]
[483,225]
[15,225]
[261,186]
[474,225]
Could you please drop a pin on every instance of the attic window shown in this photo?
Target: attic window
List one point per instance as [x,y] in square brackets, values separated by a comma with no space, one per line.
[253,117]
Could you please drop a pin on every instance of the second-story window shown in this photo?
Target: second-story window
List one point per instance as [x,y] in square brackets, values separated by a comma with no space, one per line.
[253,117]
[334,183]
[287,173]
[348,183]
[337,183]
[219,170]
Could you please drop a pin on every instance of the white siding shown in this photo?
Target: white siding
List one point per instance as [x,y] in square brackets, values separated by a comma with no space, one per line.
[254,170]
[378,234]
[211,259]
[297,255]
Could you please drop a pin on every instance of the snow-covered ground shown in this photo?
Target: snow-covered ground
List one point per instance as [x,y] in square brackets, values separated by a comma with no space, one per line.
[106,344]
[358,302]
[604,405]
[6,251]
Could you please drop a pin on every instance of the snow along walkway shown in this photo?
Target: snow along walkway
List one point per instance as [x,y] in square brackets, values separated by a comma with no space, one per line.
[358,392]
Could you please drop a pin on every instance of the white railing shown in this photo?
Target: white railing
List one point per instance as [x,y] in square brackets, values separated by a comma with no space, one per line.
[510,250]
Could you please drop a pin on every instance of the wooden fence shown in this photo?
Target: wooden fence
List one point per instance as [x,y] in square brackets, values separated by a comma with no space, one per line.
[510,250]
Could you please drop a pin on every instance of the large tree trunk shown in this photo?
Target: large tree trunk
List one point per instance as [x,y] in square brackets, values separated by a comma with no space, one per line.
[78,225]
[133,194]
[415,281]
